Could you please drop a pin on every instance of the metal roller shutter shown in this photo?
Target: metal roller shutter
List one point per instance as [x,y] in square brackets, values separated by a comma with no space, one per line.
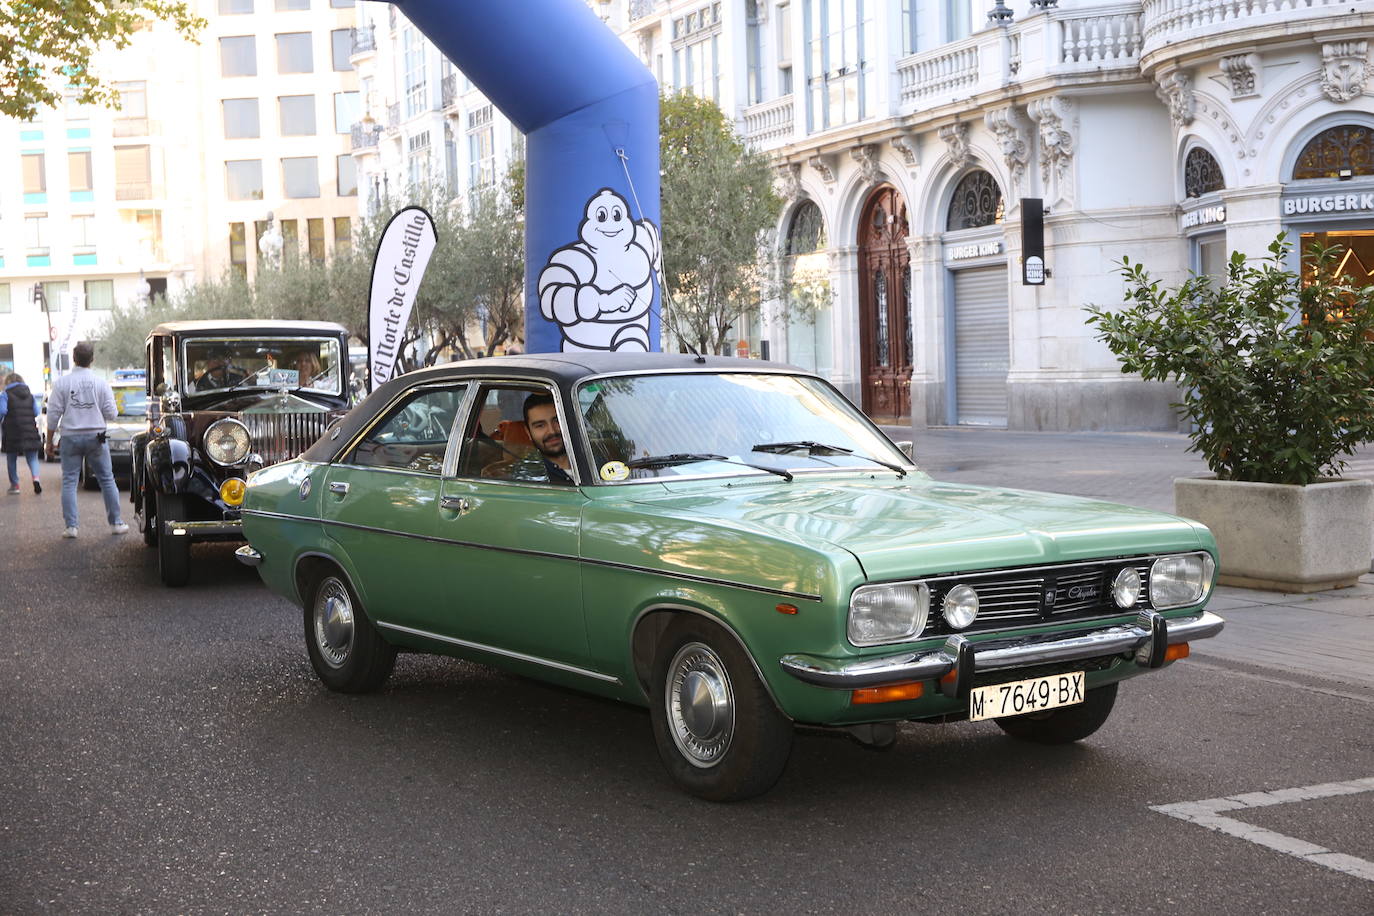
[982,346]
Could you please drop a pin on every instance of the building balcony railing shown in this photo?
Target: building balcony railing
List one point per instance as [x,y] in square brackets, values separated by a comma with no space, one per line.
[134,190]
[364,135]
[1173,26]
[393,116]
[640,9]
[131,127]
[770,124]
[364,40]
[448,91]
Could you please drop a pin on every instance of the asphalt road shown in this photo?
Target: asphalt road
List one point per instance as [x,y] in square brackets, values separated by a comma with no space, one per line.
[171,752]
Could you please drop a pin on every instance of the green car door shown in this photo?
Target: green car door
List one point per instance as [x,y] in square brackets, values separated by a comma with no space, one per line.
[380,505]
[511,581]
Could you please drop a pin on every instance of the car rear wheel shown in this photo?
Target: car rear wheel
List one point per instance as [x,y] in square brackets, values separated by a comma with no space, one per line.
[173,550]
[716,728]
[1066,724]
[346,651]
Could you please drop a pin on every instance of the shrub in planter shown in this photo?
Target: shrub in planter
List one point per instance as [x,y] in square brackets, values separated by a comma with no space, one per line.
[1277,373]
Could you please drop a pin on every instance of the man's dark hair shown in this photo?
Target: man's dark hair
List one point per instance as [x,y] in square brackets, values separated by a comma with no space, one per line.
[82,354]
[535,400]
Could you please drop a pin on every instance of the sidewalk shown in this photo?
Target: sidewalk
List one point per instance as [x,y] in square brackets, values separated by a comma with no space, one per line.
[1325,639]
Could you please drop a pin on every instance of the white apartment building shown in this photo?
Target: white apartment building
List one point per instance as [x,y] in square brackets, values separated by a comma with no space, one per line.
[178,185]
[907,133]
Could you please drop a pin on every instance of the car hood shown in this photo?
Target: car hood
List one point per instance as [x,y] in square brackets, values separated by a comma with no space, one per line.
[920,527]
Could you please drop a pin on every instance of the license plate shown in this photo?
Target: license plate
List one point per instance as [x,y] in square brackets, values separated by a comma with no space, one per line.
[1020,697]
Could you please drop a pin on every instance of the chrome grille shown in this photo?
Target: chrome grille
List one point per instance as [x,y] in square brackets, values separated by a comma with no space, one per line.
[280,436]
[1042,595]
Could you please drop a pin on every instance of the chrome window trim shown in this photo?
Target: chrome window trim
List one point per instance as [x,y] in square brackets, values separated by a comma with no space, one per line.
[520,551]
[504,653]
[345,453]
[486,383]
[904,462]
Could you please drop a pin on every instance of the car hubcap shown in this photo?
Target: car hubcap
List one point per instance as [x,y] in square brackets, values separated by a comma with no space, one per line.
[333,622]
[701,705]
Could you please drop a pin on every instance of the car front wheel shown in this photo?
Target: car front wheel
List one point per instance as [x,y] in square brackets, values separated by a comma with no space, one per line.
[1066,724]
[346,651]
[715,726]
[173,550]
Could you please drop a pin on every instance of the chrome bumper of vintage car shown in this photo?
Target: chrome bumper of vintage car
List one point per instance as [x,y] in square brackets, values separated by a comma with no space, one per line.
[248,556]
[228,526]
[1147,638]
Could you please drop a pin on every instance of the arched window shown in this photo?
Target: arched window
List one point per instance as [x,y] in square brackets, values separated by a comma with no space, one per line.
[1201,173]
[977,202]
[806,232]
[1337,152]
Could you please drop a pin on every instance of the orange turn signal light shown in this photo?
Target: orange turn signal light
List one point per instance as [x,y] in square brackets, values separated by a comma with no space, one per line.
[889,693]
[786,609]
[1175,652]
[232,490]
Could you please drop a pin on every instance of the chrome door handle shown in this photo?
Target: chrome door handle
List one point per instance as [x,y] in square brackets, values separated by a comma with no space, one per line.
[339,487]
[454,504]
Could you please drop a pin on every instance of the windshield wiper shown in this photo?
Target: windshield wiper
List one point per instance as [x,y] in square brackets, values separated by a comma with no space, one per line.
[820,448]
[667,461]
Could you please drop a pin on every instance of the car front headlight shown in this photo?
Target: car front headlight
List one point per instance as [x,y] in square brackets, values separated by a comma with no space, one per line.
[1180,580]
[888,613]
[227,442]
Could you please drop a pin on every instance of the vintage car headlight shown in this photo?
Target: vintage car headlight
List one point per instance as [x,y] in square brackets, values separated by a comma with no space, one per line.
[227,442]
[1126,587]
[888,613]
[960,606]
[1180,580]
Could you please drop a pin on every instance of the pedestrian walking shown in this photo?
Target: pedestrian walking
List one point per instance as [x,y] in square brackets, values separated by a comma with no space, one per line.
[80,405]
[19,431]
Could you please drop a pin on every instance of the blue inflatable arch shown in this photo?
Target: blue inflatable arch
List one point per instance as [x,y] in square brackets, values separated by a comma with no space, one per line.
[589,112]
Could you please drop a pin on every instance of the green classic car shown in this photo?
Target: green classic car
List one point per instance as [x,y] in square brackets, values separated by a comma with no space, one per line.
[728,542]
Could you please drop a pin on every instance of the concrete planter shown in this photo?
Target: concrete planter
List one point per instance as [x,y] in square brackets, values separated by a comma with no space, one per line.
[1281,536]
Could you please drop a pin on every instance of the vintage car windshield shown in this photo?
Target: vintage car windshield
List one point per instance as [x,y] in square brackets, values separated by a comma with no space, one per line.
[132,403]
[692,421]
[217,364]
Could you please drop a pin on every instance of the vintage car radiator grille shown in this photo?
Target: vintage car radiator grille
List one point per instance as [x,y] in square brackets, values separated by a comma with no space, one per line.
[1035,596]
[279,436]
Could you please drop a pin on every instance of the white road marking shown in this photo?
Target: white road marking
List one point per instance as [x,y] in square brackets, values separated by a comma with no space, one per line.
[1206,813]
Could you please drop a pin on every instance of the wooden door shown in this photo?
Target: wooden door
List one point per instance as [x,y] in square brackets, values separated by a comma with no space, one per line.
[885,308]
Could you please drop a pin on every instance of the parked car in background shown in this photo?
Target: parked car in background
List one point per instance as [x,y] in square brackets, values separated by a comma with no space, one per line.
[735,546]
[131,402]
[226,398]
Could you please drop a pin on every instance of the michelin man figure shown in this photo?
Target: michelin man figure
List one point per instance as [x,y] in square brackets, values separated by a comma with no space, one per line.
[599,289]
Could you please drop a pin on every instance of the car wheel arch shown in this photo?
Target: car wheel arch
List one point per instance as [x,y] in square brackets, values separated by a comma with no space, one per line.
[312,565]
[653,621]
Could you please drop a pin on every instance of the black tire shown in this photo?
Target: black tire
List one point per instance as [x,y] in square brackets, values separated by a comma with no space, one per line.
[147,517]
[730,744]
[1066,724]
[346,651]
[173,551]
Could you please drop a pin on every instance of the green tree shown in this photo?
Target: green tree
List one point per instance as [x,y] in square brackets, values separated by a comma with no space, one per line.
[718,208]
[46,45]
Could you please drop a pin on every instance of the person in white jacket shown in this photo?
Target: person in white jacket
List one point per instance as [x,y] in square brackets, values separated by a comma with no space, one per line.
[81,404]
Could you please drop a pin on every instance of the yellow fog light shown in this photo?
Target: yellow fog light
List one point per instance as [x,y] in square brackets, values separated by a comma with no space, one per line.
[232,490]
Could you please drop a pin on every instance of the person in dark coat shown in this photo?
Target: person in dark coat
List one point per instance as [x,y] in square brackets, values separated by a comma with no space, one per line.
[19,430]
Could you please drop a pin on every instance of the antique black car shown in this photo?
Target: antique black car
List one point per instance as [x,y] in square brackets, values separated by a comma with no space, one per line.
[226,398]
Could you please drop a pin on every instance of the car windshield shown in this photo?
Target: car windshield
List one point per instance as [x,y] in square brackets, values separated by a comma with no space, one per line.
[699,424]
[299,363]
[131,402]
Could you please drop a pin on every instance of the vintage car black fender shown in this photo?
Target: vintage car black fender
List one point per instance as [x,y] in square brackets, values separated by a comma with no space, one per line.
[168,464]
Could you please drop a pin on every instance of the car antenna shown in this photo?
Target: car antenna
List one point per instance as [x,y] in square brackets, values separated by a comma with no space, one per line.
[662,286]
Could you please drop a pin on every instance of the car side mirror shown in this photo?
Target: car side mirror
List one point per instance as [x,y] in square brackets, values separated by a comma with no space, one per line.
[907,448]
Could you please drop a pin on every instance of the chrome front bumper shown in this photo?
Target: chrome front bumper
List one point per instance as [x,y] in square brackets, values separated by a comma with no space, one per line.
[248,556]
[1147,638]
[178,529]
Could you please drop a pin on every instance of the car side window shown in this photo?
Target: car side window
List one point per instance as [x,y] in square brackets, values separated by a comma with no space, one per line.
[414,435]
[496,442]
